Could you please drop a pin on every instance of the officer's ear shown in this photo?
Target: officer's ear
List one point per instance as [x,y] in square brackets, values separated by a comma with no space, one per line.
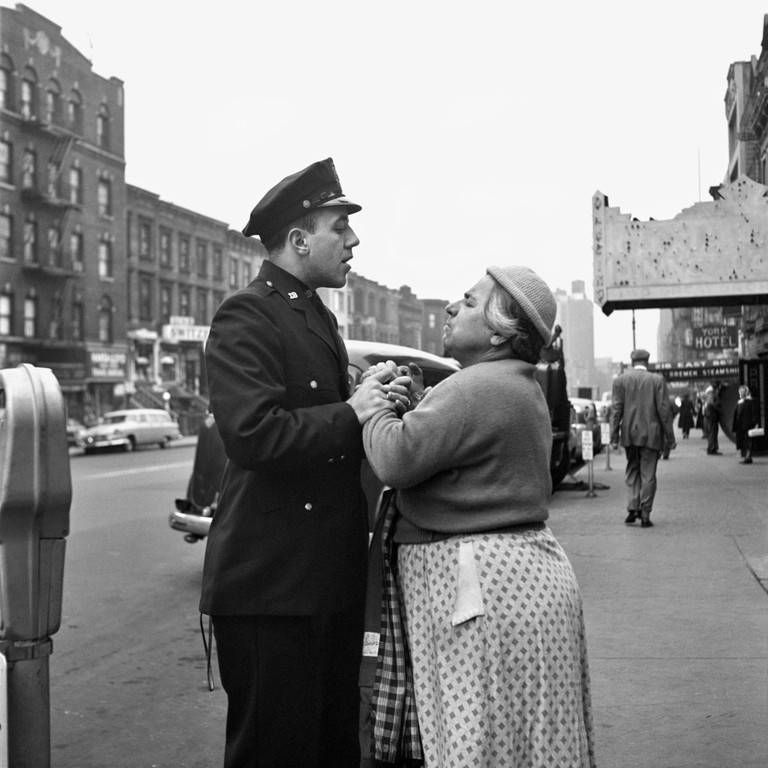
[298,240]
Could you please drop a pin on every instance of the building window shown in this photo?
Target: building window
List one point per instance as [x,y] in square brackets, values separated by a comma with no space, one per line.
[78,330]
[233,265]
[202,258]
[30,242]
[76,251]
[75,186]
[184,302]
[53,179]
[6,236]
[166,298]
[27,99]
[104,197]
[105,320]
[56,318]
[202,307]
[102,127]
[6,161]
[29,169]
[165,248]
[52,103]
[218,297]
[246,272]
[218,264]
[145,298]
[183,254]
[75,112]
[431,320]
[6,314]
[30,317]
[105,260]
[5,85]
[54,246]
[145,241]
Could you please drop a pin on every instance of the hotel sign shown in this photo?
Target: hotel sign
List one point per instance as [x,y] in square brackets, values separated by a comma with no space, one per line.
[712,337]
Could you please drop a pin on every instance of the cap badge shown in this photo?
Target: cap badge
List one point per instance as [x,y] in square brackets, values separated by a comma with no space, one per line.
[293,295]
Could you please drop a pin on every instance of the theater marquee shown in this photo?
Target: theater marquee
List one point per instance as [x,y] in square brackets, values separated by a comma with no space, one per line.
[711,254]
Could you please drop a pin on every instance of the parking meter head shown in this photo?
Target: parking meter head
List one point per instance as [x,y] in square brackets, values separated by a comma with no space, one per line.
[35,497]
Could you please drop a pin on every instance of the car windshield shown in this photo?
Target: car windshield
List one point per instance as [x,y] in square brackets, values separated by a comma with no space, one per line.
[114,419]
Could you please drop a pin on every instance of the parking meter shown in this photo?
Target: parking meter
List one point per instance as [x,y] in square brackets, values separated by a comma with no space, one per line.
[35,496]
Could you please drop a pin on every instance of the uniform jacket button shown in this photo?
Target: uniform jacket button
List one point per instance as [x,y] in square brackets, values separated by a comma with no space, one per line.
[313,384]
[308,506]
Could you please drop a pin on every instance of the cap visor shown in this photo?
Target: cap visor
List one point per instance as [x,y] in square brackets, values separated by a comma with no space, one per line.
[342,201]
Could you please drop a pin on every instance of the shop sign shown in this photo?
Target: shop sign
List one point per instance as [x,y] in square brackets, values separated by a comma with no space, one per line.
[176,333]
[696,369]
[107,365]
[709,337]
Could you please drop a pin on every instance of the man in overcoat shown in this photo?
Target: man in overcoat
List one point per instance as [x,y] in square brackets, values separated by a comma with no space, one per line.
[285,562]
[641,420]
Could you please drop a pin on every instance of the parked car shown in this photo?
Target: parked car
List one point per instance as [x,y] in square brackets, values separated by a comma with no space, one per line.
[192,514]
[75,432]
[131,428]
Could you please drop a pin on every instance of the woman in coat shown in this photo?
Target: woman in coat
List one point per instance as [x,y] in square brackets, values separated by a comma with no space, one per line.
[493,613]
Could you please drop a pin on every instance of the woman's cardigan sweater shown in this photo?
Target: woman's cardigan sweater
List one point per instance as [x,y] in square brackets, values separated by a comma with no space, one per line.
[473,456]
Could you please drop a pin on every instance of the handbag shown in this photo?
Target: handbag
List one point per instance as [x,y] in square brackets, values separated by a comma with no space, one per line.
[756,432]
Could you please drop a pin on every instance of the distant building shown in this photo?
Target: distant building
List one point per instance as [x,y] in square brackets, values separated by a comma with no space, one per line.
[575,316]
[433,320]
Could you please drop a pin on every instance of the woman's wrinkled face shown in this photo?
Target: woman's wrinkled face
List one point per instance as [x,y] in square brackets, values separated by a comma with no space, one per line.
[466,333]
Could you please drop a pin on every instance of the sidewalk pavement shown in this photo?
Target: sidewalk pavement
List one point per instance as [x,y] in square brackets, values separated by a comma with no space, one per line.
[676,614]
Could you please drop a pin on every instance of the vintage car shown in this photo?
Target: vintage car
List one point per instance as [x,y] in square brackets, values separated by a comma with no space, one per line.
[130,428]
[192,514]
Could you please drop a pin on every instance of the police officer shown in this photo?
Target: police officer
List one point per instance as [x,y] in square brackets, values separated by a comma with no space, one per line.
[285,563]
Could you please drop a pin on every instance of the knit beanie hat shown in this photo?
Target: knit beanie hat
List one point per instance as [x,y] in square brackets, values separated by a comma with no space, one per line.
[532,295]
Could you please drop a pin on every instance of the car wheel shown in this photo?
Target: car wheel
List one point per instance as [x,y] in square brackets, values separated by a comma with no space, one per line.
[130,445]
[165,442]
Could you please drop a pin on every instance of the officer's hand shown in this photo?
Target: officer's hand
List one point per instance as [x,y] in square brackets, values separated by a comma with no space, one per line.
[373,394]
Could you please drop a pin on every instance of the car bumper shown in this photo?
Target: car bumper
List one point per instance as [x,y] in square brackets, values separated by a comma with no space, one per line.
[103,442]
[189,523]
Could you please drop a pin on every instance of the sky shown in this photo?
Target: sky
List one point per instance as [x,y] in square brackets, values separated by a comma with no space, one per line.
[472,133]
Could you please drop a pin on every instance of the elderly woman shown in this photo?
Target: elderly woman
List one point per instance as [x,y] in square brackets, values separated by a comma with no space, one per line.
[493,613]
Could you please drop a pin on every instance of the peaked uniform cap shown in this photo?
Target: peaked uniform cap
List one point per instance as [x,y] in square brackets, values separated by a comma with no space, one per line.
[532,295]
[316,186]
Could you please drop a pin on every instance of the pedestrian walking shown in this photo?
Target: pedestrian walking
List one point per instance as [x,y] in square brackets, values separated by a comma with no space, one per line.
[493,613]
[641,422]
[685,420]
[712,418]
[285,562]
[745,416]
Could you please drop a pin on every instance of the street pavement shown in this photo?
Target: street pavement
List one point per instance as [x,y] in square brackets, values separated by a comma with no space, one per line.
[676,614]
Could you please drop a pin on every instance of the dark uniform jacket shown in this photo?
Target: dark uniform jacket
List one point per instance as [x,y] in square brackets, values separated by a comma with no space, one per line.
[642,413]
[290,532]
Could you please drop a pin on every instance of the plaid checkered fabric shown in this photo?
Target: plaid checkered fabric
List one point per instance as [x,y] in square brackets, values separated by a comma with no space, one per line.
[393,709]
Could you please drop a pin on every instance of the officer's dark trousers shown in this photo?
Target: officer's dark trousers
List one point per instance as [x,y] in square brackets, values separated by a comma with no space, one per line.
[292,690]
[640,477]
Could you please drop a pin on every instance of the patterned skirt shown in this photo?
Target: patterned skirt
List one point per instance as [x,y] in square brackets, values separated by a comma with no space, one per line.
[509,685]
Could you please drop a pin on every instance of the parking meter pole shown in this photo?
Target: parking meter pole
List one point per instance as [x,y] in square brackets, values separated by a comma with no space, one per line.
[35,496]
[591,491]
[29,709]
